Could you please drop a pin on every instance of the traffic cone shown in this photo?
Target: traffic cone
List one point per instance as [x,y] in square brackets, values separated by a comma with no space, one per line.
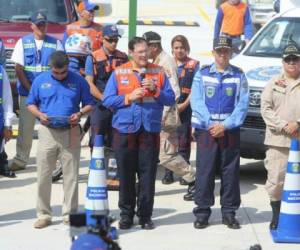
[288,229]
[96,197]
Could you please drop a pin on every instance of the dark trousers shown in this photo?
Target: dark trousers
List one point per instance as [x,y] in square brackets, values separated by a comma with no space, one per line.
[213,153]
[100,119]
[184,140]
[136,153]
[3,157]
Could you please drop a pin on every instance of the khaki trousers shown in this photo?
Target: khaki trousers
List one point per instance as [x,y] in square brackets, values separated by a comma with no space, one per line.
[171,159]
[275,163]
[25,133]
[56,144]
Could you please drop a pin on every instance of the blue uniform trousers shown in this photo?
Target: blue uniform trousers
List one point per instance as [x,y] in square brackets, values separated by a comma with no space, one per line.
[213,153]
[101,119]
[184,140]
[136,153]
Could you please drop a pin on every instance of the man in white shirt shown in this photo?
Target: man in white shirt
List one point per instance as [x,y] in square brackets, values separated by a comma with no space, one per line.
[31,56]
[6,114]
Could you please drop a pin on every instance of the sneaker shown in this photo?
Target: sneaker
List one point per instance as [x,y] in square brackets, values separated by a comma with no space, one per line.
[42,223]
[15,167]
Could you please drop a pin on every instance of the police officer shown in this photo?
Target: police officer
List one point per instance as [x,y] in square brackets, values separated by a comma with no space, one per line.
[31,56]
[219,102]
[136,93]
[6,116]
[86,25]
[233,20]
[280,102]
[187,68]
[55,99]
[169,156]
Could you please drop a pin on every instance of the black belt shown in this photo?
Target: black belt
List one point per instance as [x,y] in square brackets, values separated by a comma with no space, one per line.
[230,36]
[59,128]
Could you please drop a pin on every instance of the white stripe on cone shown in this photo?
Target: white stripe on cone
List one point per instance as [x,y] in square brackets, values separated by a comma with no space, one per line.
[98,152]
[96,206]
[292,182]
[96,177]
[294,156]
[290,208]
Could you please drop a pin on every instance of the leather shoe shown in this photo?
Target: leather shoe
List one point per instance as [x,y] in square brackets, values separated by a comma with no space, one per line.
[183,182]
[231,222]
[5,171]
[125,223]
[201,223]
[146,223]
[168,178]
[190,193]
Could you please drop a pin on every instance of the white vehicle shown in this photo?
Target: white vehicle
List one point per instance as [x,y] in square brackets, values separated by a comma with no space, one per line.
[261,60]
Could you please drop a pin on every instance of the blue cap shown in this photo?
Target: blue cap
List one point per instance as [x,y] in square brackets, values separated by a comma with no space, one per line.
[86,5]
[111,31]
[38,17]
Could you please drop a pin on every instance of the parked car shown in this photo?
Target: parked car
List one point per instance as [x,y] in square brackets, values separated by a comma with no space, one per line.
[15,23]
[261,60]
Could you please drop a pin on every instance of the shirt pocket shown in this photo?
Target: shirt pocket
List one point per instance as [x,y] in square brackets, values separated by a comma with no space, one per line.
[70,98]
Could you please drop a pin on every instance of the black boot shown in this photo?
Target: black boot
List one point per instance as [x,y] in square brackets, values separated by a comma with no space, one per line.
[168,178]
[275,217]
[189,196]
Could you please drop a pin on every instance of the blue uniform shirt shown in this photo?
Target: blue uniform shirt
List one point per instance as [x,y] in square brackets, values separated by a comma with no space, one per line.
[219,97]
[59,98]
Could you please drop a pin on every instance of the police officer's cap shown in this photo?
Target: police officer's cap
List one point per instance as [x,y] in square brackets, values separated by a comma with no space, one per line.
[291,50]
[38,17]
[222,42]
[152,37]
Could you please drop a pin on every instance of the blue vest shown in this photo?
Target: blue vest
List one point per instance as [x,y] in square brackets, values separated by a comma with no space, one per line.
[221,91]
[185,83]
[1,101]
[36,62]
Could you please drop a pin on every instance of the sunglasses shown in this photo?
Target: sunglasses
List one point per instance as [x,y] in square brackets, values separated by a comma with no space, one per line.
[59,73]
[111,40]
[291,59]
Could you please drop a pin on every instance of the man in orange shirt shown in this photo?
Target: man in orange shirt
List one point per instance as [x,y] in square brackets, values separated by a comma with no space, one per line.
[233,20]
[86,25]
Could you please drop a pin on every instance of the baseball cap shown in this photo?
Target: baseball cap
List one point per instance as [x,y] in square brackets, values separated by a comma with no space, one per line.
[222,42]
[38,17]
[86,5]
[111,31]
[152,37]
[291,50]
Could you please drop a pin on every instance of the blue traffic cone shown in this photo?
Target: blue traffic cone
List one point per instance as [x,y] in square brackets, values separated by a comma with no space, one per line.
[288,229]
[96,197]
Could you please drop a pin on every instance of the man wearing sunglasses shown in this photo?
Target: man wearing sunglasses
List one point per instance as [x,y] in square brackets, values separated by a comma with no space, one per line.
[31,56]
[86,25]
[280,102]
[99,68]
[55,99]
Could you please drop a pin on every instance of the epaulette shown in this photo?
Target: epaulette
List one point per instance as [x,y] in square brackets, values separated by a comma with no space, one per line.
[240,70]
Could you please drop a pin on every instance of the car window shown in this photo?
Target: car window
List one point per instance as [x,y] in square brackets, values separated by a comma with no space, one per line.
[274,37]
[20,10]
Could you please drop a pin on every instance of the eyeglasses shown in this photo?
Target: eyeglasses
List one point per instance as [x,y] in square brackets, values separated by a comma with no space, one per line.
[111,40]
[59,73]
[290,59]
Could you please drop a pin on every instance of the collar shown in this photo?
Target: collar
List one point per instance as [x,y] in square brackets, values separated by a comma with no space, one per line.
[227,71]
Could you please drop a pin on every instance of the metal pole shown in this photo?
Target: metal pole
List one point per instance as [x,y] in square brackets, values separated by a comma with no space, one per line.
[132,18]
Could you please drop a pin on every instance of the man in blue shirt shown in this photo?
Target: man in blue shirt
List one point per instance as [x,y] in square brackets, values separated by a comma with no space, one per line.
[55,99]
[219,102]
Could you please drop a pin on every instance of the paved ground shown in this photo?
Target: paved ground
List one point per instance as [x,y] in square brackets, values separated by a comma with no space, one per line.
[172,215]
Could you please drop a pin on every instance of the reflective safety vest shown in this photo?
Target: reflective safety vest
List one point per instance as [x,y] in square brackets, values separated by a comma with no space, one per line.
[93,31]
[185,83]
[146,112]
[221,94]
[233,19]
[36,62]
[104,66]
[1,101]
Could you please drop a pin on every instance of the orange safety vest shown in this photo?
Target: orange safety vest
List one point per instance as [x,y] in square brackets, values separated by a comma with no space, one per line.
[128,81]
[233,19]
[94,32]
